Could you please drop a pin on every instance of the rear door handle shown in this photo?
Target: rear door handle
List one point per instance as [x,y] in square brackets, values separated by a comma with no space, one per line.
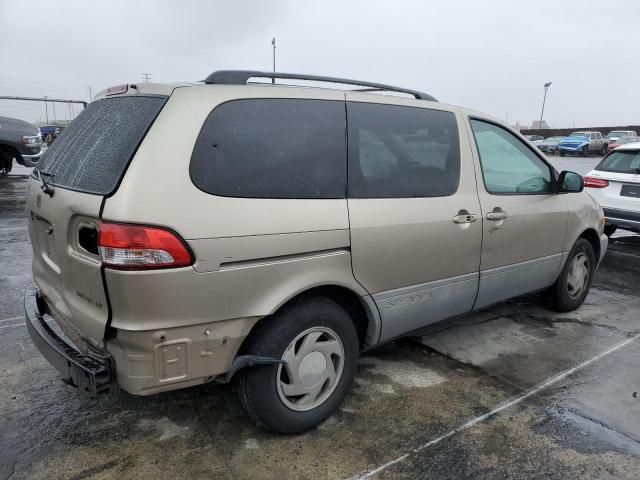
[497,215]
[465,217]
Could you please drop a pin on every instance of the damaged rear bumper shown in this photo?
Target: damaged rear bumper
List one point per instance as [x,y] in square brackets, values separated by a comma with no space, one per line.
[90,373]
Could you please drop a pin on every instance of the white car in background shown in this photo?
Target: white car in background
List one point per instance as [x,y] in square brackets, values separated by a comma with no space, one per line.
[615,184]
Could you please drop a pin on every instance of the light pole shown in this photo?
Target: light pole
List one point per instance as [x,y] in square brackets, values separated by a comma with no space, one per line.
[273,42]
[544,99]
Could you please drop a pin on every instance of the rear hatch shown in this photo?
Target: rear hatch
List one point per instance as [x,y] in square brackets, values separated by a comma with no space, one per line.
[83,166]
[618,180]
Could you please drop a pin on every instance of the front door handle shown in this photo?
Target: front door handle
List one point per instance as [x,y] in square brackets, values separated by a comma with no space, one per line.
[465,217]
[497,215]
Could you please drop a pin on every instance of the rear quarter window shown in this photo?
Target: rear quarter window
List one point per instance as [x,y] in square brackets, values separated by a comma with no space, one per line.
[272,148]
[92,154]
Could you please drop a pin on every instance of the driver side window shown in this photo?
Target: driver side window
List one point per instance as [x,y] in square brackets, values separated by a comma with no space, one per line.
[508,166]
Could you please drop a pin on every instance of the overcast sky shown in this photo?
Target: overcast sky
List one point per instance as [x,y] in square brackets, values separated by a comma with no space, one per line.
[490,55]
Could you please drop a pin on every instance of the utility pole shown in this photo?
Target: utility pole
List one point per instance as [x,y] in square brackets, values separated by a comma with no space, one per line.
[90,90]
[273,42]
[146,77]
[46,109]
[544,99]
[54,112]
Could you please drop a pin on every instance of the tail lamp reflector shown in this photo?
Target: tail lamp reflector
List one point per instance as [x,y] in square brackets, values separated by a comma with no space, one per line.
[137,247]
[592,182]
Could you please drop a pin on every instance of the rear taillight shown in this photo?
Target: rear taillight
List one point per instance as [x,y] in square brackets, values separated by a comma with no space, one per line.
[592,182]
[138,247]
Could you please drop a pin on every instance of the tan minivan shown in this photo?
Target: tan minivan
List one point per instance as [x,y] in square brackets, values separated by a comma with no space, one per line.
[191,233]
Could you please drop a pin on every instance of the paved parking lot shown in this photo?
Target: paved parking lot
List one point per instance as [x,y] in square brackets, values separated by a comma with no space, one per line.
[513,392]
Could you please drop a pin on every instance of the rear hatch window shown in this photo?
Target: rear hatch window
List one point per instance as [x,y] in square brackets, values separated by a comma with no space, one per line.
[92,154]
[621,161]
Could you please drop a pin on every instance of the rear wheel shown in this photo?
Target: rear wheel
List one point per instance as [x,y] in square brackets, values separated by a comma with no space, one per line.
[610,230]
[585,151]
[605,149]
[574,282]
[561,153]
[319,343]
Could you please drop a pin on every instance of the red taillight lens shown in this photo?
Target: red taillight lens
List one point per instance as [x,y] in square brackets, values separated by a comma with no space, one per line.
[137,247]
[591,182]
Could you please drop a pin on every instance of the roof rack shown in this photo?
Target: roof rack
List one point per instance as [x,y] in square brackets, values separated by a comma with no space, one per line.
[241,77]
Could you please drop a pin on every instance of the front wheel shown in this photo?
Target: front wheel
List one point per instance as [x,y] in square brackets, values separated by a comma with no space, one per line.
[574,282]
[585,151]
[6,162]
[605,150]
[561,153]
[319,343]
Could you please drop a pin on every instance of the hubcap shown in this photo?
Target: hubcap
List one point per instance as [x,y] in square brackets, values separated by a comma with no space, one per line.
[578,277]
[315,359]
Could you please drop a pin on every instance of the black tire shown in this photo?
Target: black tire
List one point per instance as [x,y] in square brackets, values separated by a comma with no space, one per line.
[605,150]
[257,387]
[610,230]
[561,297]
[585,151]
[6,161]
[561,153]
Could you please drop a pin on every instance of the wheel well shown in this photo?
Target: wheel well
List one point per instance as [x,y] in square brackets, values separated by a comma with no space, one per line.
[344,297]
[10,150]
[592,237]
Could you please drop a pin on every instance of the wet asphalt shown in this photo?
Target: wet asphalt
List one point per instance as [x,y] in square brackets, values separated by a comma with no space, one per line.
[515,392]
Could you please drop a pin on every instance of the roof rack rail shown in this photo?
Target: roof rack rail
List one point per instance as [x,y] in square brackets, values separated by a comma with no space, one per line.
[241,77]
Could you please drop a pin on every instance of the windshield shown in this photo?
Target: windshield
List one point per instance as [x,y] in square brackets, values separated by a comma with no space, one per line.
[579,134]
[617,134]
[621,161]
[554,139]
[623,140]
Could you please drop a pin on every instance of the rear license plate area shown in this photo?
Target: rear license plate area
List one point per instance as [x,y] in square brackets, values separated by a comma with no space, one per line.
[630,191]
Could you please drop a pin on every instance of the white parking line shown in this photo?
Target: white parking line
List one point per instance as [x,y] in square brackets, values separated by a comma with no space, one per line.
[11,326]
[510,403]
[14,228]
[22,324]
[12,319]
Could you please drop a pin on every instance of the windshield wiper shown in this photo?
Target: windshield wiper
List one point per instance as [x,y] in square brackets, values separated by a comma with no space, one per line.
[44,186]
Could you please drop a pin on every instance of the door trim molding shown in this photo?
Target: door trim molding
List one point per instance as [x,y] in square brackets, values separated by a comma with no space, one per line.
[405,309]
[509,281]
[398,292]
[520,265]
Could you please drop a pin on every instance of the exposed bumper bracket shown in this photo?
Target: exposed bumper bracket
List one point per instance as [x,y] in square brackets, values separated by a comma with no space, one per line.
[90,373]
[244,361]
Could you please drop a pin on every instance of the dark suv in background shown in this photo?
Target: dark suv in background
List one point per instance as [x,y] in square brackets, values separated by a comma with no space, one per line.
[19,140]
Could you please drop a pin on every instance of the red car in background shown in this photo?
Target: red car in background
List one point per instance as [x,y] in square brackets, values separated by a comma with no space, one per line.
[622,141]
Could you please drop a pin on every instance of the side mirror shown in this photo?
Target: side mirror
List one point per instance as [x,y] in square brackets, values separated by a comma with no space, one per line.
[569,182]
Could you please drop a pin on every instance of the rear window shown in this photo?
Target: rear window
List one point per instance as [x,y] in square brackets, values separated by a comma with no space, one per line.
[621,161]
[273,148]
[92,154]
